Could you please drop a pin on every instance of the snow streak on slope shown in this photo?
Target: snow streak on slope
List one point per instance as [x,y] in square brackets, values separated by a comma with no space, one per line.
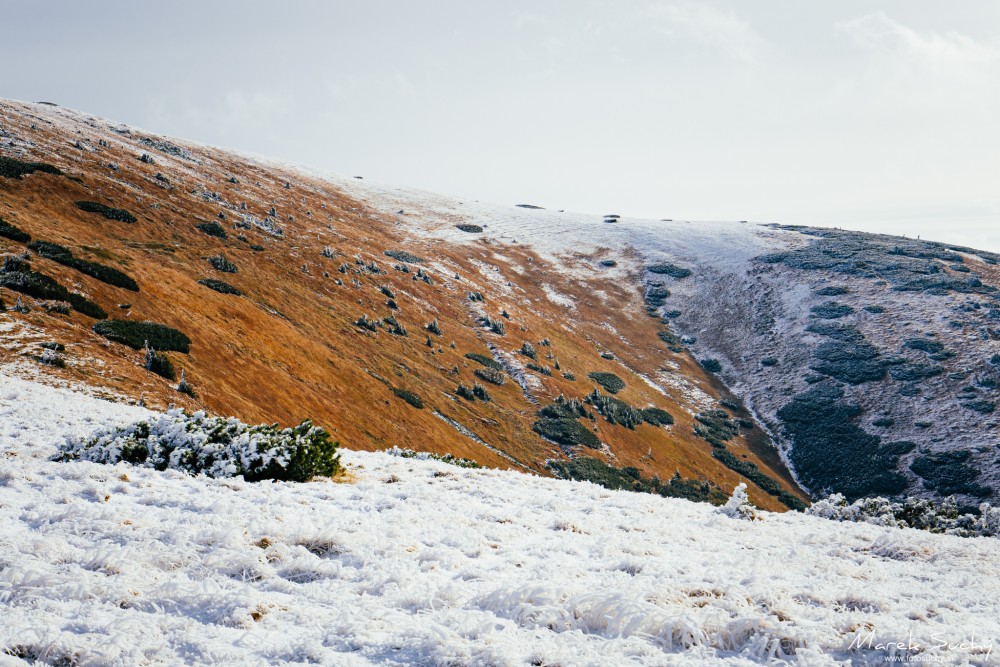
[418,562]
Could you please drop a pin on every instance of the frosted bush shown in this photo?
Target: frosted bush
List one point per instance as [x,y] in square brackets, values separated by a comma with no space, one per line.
[428,456]
[738,506]
[214,446]
[921,513]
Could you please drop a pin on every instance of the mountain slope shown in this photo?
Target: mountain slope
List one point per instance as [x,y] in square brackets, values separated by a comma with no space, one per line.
[418,562]
[870,361]
[310,261]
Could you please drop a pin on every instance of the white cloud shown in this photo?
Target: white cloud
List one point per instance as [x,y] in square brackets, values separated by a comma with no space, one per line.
[709,25]
[949,53]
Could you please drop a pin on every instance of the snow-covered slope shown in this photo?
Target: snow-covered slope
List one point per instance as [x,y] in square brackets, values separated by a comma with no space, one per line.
[420,563]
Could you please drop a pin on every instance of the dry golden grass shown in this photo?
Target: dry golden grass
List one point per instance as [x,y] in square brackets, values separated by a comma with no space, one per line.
[289,350]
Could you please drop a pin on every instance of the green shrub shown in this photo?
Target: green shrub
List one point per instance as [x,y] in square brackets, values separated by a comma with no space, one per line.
[609,381]
[434,327]
[564,408]
[213,229]
[475,296]
[949,473]
[667,269]
[566,432]
[403,256]
[769,361]
[491,375]
[528,350]
[874,309]
[136,335]
[540,369]
[17,276]
[711,365]
[831,310]
[450,459]
[110,213]
[496,326]
[394,327]
[86,307]
[11,168]
[715,427]
[220,286]
[409,397]
[484,360]
[569,376]
[472,229]
[465,392]
[924,345]
[656,416]
[672,340]
[832,291]
[213,446]
[479,391]
[365,323]
[589,469]
[386,290]
[159,363]
[614,410]
[64,256]
[220,263]
[9,231]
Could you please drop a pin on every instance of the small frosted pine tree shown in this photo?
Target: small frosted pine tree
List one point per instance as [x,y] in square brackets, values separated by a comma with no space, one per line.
[738,506]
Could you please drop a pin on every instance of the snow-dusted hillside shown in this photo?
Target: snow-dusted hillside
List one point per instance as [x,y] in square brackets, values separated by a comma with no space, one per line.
[420,563]
[898,337]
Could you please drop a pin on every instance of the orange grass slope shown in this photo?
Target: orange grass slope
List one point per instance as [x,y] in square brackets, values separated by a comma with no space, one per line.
[310,262]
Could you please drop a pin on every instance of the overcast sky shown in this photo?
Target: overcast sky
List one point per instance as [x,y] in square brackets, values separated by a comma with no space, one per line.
[882,116]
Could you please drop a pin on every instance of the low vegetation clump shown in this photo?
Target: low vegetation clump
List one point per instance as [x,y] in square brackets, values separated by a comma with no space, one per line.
[491,375]
[711,365]
[220,286]
[656,295]
[471,229]
[910,372]
[715,427]
[667,269]
[528,350]
[450,459]
[16,275]
[365,323]
[479,391]
[159,363]
[589,469]
[837,290]
[850,362]
[409,397]
[403,256]
[434,327]
[108,212]
[830,451]
[496,326]
[614,410]
[12,232]
[949,473]
[539,369]
[610,382]
[220,263]
[394,327]
[831,310]
[656,416]
[64,256]
[924,345]
[566,408]
[214,446]
[754,474]
[672,340]
[213,229]
[934,516]
[566,431]
[489,362]
[137,334]
[11,168]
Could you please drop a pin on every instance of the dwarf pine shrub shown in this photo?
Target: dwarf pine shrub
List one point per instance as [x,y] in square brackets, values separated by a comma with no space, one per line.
[496,326]
[159,363]
[465,392]
[220,263]
[471,229]
[528,350]
[479,391]
[137,334]
[409,397]
[11,168]
[491,375]
[64,256]
[609,381]
[220,286]
[434,327]
[108,212]
[9,231]
[213,229]
[213,446]
[403,256]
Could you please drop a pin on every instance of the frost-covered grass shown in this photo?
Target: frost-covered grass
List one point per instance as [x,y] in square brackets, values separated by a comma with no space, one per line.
[420,562]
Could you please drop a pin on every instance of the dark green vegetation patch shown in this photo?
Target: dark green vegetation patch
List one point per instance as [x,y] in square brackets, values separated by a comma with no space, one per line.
[213,229]
[609,381]
[589,469]
[754,474]
[949,473]
[403,256]
[64,256]
[831,310]
[831,453]
[11,168]
[566,431]
[220,286]
[17,275]
[668,269]
[118,214]
[137,334]
[220,263]
[9,231]
[715,427]
[409,397]
[484,360]
[471,229]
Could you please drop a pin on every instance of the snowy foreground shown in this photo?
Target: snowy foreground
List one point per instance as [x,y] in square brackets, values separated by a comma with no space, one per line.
[421,563]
